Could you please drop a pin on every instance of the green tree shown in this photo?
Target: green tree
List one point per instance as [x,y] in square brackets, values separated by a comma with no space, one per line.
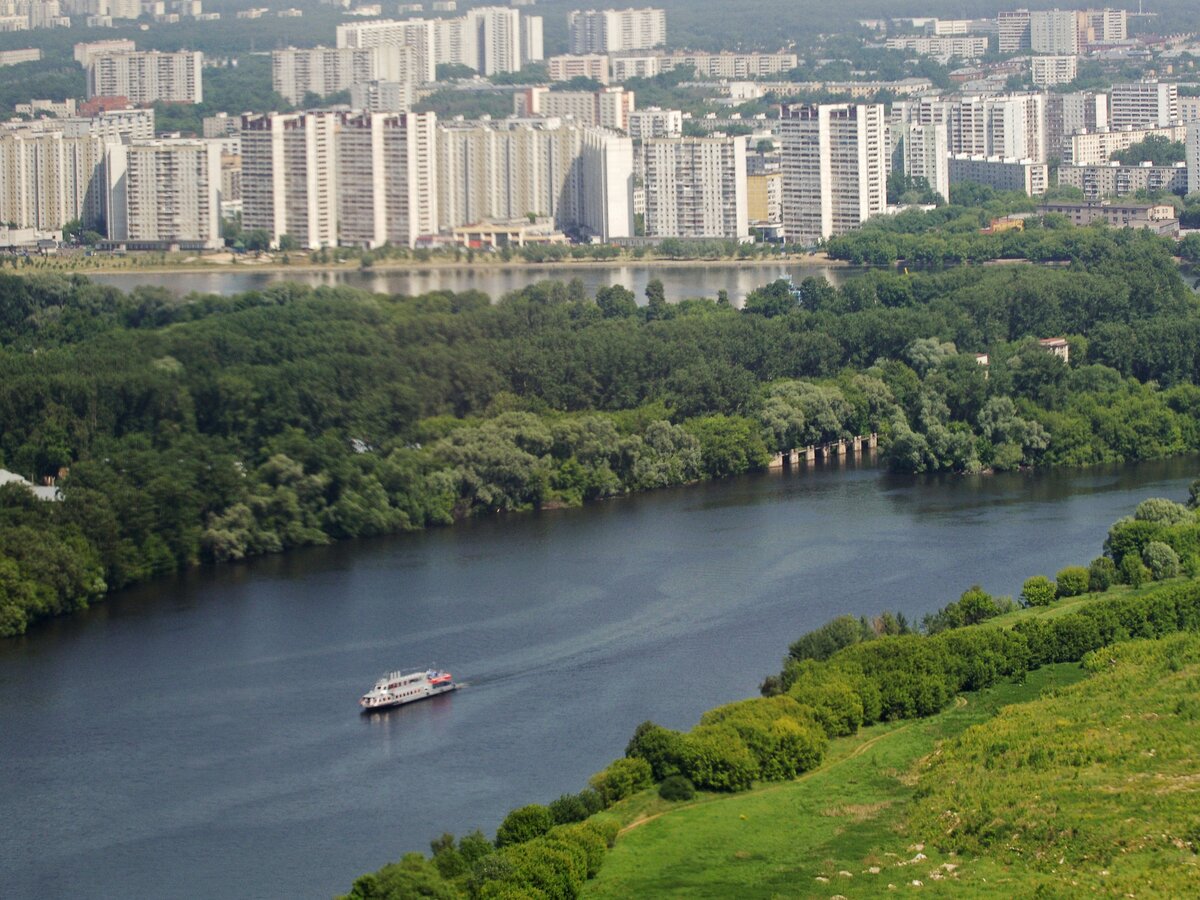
[524,824]
[1038,591]
[1072,581]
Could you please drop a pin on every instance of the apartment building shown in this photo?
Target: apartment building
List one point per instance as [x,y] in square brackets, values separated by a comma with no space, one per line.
[655,122]
[48,178]
[1158,217]
[1089,148]
[386,179]
[1054,31]
[487,39]
[1013,30]
[1143,103]
[295,73]
[1066,114]
[607,108]
[145,77]
[578,176]
[1048,71]
[419,35]
[382,96]
[724,64]
[1192,143]
[587,65]
[764,198]
[289,176]
[164,193]
[1116,180]
[1026,175]
[1009,125]
[696,187]
[614,30]
[86,51]
[834,168]
[923,153]
[966,47]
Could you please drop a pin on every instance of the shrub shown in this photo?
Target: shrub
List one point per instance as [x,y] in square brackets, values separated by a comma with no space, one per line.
[1161,560]
[568,808]
[622,778]
[676,788]
[1038,591]
[1133,572]
[1072,581]
[1102,574]
[524,824]
[837,706]
[716,758]
[659,746]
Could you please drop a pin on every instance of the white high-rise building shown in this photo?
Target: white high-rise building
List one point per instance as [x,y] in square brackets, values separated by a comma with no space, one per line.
[614,30]
[1104,26]
[289,176]
[1067,113]
[606,190]
[48,178]
[834,168]
[164,193]
[1051,70]
[488,39]
[296,73]
[1193,157]
[420,35]
[608,107]
[532,45]
[1013,30]
[386,179]
[506,170]
[1008,125]
[1143,103]
[147,76]
[1054,31]
[696,187]
[382,96]
[655,123]
[85,52]
[924,154]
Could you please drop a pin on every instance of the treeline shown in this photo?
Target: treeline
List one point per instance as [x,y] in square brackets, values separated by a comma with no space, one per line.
[953,235]
[217,428]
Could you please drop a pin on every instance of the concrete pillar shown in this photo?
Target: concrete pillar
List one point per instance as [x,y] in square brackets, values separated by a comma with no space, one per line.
[874,440]
[810,453]
[776,461]
[793,457]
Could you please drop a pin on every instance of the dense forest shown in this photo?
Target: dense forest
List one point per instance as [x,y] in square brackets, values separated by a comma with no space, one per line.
[216,428]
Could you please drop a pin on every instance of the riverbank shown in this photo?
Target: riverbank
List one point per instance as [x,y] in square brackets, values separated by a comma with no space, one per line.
[269,264]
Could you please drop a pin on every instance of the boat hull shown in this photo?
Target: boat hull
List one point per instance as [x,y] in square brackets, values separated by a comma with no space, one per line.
[371,704]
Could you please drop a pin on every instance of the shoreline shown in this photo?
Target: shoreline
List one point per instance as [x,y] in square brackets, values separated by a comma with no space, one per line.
[199,267]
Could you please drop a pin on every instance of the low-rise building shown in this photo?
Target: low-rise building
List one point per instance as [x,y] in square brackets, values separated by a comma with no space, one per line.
[1001,173]
[586,65]
[1116,180]
[1158,217]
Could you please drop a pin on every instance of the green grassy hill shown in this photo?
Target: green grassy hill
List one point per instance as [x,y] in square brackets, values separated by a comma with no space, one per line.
[1078,780]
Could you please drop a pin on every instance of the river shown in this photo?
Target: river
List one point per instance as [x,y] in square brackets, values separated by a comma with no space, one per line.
[199,736]
[679,282]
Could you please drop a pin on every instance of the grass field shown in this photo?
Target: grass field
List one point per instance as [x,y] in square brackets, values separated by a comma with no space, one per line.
[1078,786]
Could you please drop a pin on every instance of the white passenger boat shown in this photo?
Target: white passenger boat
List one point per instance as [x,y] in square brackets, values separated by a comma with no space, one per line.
[397,688]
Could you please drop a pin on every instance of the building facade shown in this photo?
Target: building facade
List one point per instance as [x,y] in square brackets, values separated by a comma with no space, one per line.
[1143,103]
[696,187]
[145,77]
[834,168]
[386,179]
[614,30]
[289,177]
[164,193]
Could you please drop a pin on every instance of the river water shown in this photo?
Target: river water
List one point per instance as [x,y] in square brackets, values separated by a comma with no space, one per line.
[679,282]
[199,737]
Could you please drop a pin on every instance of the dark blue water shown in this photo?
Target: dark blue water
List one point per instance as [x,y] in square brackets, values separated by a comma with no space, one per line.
[200,736]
